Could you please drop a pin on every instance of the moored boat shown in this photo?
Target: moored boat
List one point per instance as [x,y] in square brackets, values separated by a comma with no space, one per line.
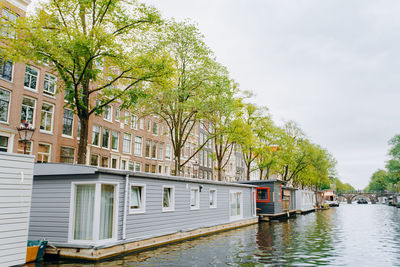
[35,250]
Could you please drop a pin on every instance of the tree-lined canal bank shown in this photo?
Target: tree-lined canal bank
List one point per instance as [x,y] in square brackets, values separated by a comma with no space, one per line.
[351,235]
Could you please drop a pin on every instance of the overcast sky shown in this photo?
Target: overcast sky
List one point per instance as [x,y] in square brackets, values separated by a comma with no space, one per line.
[332,66]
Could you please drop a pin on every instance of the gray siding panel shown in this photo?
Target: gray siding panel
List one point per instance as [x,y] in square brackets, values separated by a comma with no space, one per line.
[15,198]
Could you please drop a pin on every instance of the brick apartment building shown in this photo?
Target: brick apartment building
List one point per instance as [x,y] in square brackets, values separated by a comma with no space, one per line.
[117,139]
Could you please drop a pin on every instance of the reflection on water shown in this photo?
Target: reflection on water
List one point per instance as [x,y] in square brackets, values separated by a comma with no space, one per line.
[351,235]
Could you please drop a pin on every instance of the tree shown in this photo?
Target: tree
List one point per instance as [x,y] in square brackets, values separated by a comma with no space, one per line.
[100,49]
[187,96]
[379,181]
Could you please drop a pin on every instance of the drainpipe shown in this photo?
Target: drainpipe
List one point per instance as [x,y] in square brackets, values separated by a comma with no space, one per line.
[125,206]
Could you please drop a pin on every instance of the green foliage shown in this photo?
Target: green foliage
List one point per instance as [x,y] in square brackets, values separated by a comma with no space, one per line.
[380,181]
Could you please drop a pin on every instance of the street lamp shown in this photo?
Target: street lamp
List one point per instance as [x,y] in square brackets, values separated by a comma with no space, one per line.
[25,131]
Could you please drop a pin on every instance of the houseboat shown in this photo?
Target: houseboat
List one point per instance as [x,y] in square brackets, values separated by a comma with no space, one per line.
[93,213]
[330,198]
[305,200]
[274,199]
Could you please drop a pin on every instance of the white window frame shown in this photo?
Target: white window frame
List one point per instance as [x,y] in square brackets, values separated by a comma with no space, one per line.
[98,159]
[141,123]
[134,122]
[137,164]
[110,113]
[117,111]
[9,105]
[111,140]
[141,147]
[72,126]
[73,148]
[214,205]
[37,79]
[41,153]
[96,218]
[123,144]
[34,108]
[195,189]
[100,135]
[240,216]
[172,199]
[48,80]
[52,117]
[142,209]
[108,138]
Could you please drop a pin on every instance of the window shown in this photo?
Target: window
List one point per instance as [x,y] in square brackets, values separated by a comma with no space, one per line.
[106,138]
[141,123]
[194,198]
[168,196]
[3,143]
[138,146]
[68,122]
[28,110]
[153,168]
[160,151]
[6,69]
[67,155]
[154,150]
[96,135]
[7,19]
[114,163]
[21,146]
[147,167]
[31,78]
[137,200]
[149,125]
[127,143]
[155,128]
[114,140]
[167,151]
[49,84]
[117,114]
[134,122]
[213,198]
[4,105]
[92,222]
[147,150]
[104,162]
[138,167]
[131,166]
[43,153]
[262,194]
[126,117]
[123,164]
[235,202]
[94,160]
[46,122]
[108,113]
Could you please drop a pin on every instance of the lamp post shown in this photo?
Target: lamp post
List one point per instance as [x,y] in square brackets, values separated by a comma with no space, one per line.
[25,131]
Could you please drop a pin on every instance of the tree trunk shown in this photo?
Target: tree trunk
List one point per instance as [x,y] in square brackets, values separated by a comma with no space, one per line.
[83,141]
[248,171]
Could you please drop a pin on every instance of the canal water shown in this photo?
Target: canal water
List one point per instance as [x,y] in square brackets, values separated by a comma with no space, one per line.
[350,235]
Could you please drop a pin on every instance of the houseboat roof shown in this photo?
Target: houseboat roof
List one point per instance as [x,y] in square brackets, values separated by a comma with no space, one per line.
[63,169]
[263,181]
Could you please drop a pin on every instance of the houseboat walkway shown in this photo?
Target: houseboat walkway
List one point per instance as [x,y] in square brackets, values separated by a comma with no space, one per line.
[350,235]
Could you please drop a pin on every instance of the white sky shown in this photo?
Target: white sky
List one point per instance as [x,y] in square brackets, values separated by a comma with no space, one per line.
[330,65]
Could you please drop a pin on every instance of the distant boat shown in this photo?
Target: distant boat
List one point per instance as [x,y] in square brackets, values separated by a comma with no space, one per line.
[362,201]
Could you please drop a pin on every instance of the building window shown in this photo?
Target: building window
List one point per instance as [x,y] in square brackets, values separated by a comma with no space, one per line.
[262,194]
[67,155]
[194,198]
[155,128]
[117,114]
[167,151]
[114,163]
[213,198]
[235,202]
[106,138]
[104,162]
[114,140]
[160,151]
[4,105]
[94,160]
[28,110]
[127,143]
[147,150]
[126,117]
[134,122]
[154,150]
[21,145]
[147,167]
[138,167]
[137,201]
[123,164]
[6,69]
[168,196]
[3,143]
[68,122]
[31,78]
[44,153]
[7,19]
[141,123]
[153,168]
[86,214]
[149,125]
[49,84]
[46,122]
[138,146]
[108,113]
[96,135]
[131,166]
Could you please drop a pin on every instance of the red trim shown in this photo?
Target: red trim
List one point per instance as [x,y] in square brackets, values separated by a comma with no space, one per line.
[280,200]
[262,200]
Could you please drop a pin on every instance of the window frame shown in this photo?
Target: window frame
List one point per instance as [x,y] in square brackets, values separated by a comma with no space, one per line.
[3,62]
[142,209]
[73,148]
[37,78]
[48,93]
[130,144]
[99,135]
[141,147]
[96,216]
[240,216]
[196,189]
[52,117]
[41,153]
[34,109]
[72,124]
[8,106]
[263,200]
[109,112]
[214,205]
[172,199]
